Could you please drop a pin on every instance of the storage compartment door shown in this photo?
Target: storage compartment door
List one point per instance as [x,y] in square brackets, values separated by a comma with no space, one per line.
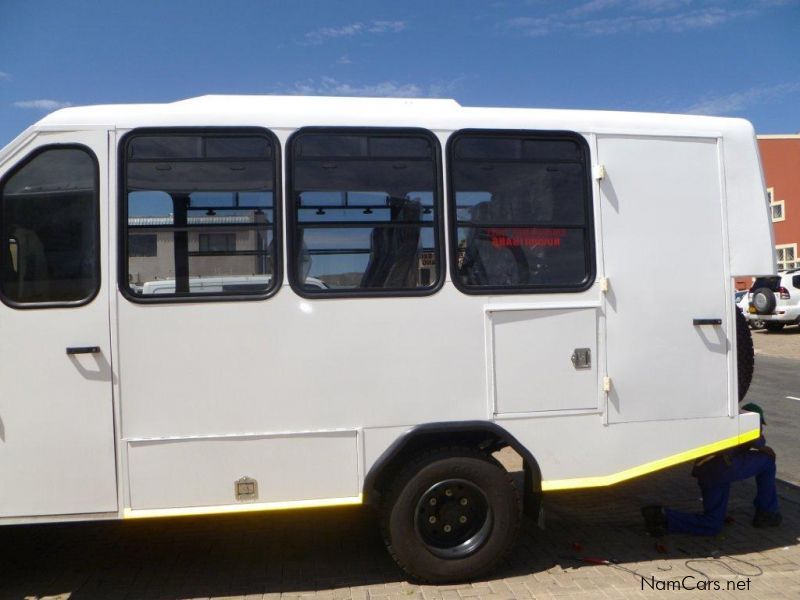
[533,365]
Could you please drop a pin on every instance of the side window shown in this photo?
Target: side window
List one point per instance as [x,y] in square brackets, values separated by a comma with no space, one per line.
[365,212]
[520,212]
[50,254]
[200,214]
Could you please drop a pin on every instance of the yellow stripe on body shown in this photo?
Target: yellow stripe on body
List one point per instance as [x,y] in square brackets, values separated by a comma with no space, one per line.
[146,513]
[656,465]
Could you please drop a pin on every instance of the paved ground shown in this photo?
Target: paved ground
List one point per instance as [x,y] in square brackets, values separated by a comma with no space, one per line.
[337,553]
[775,383]
[784,343]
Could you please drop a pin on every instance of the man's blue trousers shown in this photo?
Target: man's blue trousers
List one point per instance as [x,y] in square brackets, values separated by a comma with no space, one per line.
[715,478]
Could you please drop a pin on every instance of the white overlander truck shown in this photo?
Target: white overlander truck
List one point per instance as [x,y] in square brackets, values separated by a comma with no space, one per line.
[398,289]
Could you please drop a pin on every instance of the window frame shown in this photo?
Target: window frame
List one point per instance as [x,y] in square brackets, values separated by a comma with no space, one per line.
[795,260]
[590,255]
[773,203]
[122,214]
[438,226]
[98,274]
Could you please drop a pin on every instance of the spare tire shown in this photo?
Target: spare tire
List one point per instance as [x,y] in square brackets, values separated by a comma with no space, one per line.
[764,300]
[745,357]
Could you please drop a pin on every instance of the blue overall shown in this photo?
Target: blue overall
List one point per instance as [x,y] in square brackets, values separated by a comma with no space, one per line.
[714,476]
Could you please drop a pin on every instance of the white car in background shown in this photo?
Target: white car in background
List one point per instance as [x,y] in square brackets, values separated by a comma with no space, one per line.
[774,300]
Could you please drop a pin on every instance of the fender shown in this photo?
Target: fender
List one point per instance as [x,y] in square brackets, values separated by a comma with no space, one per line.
[484,434]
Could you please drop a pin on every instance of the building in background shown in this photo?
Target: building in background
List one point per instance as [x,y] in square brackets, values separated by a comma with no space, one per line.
[780,158]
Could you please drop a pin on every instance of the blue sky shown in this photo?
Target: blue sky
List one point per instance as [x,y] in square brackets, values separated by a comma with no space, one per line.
[726,57]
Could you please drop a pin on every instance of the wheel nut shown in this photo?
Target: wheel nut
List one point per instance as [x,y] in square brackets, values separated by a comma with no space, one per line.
[432,501]
[448,492]
[462,520]
[464,502]
[447,528]
[431,520]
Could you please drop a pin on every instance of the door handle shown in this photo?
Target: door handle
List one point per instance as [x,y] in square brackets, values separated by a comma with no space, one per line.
[83,350]
[707,322]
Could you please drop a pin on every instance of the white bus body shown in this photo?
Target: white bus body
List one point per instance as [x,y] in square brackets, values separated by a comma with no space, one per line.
[182,403]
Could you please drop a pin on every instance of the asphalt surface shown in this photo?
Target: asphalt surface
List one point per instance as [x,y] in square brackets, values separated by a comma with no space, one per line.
[775,379]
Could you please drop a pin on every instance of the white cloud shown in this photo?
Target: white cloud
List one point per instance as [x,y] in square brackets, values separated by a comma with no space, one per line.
[42,104]
[318,36]
[386,26]
[344,60]
[329,86]
[675,23]
[592,6]
[736,102]
[608,17]
[4,76]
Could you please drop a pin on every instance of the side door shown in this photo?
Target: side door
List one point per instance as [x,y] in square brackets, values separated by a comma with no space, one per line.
[664,250]
[56,416]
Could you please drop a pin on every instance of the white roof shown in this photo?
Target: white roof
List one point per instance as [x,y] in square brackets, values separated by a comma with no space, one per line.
[291,112]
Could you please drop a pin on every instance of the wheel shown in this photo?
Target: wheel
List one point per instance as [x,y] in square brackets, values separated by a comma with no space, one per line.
[773,326]
[756,323]
[745,356]
[764,300]
[452,514]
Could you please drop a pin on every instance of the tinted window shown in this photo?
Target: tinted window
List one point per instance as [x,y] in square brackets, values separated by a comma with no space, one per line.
[521,212]
[771,283]
[51,249]
[365,212]
[200,214]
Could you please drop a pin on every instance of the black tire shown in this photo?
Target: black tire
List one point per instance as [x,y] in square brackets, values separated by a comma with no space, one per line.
[771,327]
[745,356]
[764,300]
[417,544]
[756,324]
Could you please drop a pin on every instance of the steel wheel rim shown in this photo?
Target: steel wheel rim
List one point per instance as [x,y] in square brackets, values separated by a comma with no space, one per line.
[453,518]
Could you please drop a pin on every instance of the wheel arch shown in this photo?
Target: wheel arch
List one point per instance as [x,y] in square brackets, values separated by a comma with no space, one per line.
[486,435]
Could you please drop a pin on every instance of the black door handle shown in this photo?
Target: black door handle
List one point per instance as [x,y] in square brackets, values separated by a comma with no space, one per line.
[707,321]
[83,350]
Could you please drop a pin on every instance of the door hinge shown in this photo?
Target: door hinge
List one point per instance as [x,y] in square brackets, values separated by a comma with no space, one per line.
[606,384]
[599,172]
[604,284]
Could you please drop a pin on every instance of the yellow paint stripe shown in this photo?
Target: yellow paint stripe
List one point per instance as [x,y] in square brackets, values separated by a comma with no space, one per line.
[129,513]
[656,465]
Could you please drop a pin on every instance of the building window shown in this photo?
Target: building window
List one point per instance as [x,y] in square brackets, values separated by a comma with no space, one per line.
[365,212]
[142,245]
[201,214]
[50,227]
[777,208]
[787,256]
[520,212]
[217,242]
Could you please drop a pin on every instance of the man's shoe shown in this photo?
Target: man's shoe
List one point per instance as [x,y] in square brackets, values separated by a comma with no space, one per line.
[655,521]
[767,519]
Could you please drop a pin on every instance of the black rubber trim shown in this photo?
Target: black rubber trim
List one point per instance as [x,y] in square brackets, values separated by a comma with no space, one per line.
[438,228]
[122,214]
[4,248]
[455,427]
[452,225]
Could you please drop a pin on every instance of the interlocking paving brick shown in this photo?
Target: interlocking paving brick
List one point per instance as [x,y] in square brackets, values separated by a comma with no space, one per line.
[337,554]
